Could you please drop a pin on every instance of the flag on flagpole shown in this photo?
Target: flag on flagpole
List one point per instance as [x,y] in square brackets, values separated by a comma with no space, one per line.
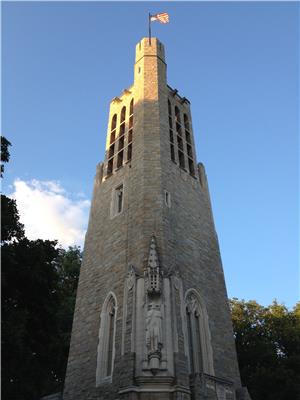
[163,18]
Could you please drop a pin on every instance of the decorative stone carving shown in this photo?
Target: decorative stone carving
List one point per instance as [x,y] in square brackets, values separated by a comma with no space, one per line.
[154,328]
[131,276]
[154,319]
[192,303]
[152,273]
[176,280]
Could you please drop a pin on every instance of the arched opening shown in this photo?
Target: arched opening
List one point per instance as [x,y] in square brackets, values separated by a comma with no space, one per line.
[106,345]
[131,108]
[123,114]
[113,122]
[198,342]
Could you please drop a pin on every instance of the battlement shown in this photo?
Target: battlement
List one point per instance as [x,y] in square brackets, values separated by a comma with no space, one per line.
[149,47]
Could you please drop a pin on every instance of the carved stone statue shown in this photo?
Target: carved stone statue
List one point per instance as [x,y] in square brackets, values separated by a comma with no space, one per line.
[154,329]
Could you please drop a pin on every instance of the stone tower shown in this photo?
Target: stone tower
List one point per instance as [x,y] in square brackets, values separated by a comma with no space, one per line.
[151,319]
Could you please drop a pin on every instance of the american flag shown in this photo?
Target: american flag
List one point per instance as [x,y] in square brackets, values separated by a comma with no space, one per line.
[163,18]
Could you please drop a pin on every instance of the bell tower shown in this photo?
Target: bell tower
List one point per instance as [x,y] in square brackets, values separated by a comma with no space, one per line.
[151,319]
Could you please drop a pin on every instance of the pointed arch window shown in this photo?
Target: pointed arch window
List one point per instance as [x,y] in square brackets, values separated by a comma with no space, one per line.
[111,150]
[198,342]
[130,132]
[113,122]
[172,151]
[123,114]
[131,107]
[106,345]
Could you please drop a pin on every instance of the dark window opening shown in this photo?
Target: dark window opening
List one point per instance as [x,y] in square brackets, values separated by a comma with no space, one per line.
[129,152]
[113,122]
[131,108]
[169,108]
[200,366]
[120,159]
[111,151]
[180,143]
[191,167]
[121,143]
[188,136]
[167,199]
[130,136]
[181,159]
[186,122]
[112,136]
[110,164]
[171,137]
[130,122]
[178,129]
[190,340]
[177,115]
[189,150]
[119,194]
[170,122]
[122,129]
[110,341]
[123,114]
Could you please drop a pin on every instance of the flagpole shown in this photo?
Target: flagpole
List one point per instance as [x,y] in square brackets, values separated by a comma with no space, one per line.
[149,29]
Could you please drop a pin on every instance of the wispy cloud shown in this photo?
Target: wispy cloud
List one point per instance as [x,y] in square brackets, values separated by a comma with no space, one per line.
[49,212]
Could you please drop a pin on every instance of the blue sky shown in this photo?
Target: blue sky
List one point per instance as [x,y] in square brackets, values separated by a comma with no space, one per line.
[237,62]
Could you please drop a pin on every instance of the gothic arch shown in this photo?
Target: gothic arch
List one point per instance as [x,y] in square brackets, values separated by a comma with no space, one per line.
[106,344]
[198,337]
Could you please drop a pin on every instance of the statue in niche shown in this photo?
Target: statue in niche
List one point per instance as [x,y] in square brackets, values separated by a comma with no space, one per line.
[154,329]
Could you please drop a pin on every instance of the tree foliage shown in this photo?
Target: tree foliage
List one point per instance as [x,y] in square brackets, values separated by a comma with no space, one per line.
[39,282]
[38,294]
[4,153]
[11,228]
[268,348]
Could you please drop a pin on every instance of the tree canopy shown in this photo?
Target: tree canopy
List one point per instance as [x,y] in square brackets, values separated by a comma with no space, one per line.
[4,153]
[268,348]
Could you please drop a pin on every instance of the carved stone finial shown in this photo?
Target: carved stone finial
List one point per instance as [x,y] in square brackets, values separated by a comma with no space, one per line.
[152,272]
[153,258]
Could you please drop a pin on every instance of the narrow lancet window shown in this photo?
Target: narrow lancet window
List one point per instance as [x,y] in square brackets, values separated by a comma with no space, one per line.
[114,122]
[111,323]
[198,345]
[111,150]
[106,345]
[123,114]
[131,108]
[186,122]
[177,115]
[190,340]
[130,132]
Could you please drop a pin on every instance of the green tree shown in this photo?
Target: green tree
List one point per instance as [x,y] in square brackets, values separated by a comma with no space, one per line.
[4,153]
[39,282]
[268,348]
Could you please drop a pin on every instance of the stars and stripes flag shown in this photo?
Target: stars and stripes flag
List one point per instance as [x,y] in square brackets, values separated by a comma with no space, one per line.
[163,18]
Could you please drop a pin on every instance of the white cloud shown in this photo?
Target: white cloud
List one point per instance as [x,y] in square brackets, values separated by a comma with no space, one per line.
[48,212]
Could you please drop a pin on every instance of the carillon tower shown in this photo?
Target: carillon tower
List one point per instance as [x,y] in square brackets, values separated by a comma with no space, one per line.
[151,319]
